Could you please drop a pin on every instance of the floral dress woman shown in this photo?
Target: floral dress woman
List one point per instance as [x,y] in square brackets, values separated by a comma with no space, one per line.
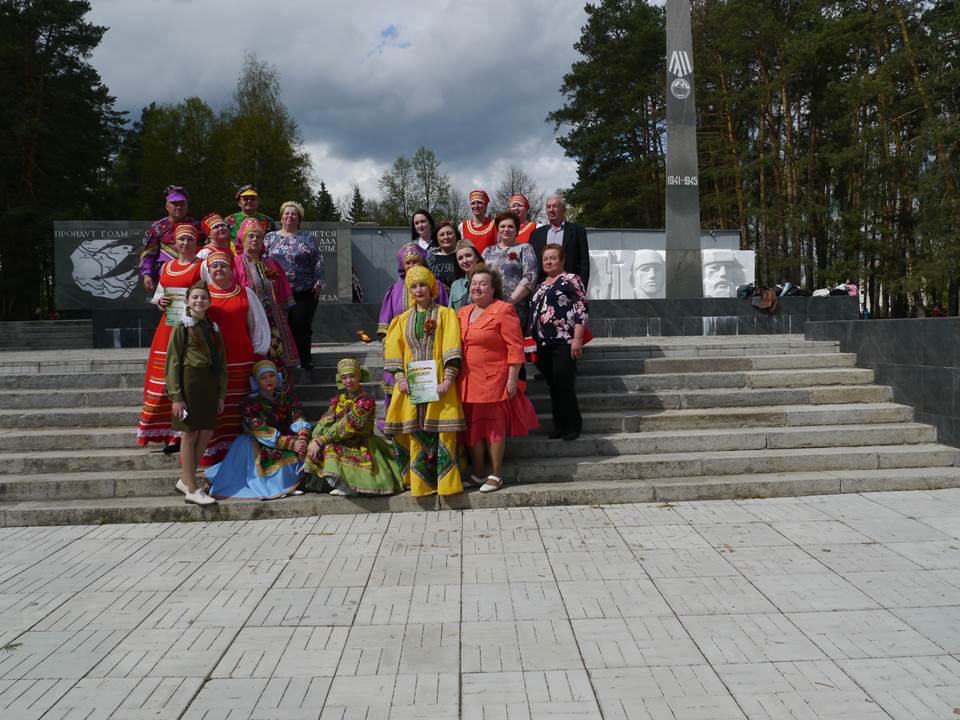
[350,457]
[264,462]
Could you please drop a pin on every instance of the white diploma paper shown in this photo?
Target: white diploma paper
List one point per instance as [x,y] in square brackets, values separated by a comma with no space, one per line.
[422,381]
[176,305]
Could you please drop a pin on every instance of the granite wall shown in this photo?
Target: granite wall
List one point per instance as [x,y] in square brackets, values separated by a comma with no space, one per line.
[335,323]
[918,358]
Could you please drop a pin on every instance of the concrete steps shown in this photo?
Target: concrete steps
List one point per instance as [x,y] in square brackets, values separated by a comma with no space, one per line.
[172,508]
[669,418]
[46,334]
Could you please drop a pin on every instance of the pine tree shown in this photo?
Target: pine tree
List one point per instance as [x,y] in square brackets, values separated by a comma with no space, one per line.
[358,212]
[325,208]
[60,130]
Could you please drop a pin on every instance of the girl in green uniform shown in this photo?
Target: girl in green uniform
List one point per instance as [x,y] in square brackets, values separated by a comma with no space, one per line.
[197,385]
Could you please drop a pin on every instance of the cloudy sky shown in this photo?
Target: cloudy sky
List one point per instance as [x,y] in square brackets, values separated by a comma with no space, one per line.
[366,80]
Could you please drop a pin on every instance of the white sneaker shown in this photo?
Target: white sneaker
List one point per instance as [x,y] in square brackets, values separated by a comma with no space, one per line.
[339,493]
[181,487]
[200,497]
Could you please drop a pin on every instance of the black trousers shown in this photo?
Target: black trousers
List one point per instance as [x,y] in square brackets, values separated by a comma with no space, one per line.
[560,371]
[300,317]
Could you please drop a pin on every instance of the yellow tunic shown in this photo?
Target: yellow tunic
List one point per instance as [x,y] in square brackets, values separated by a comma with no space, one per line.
[401,346]
[426,434]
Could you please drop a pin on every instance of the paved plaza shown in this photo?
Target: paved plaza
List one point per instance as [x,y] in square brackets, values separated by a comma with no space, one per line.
[836,607]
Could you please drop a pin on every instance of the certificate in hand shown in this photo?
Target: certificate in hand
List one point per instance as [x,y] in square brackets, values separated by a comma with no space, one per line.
[422,381]
[176,305]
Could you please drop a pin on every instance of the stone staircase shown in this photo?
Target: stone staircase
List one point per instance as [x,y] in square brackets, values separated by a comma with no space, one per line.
[46,334]
[664,419]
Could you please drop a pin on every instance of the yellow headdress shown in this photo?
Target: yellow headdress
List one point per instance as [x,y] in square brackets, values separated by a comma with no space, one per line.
[351,365]
[421,274]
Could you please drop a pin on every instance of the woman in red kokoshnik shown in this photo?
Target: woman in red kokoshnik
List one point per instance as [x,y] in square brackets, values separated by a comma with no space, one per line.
[246,334]
[178,273]
[520,206]
[480,229]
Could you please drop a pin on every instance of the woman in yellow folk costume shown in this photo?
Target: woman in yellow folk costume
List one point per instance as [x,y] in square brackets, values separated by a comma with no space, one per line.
[425,433]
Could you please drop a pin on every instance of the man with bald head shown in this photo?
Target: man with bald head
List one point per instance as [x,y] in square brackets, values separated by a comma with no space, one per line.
[570,236]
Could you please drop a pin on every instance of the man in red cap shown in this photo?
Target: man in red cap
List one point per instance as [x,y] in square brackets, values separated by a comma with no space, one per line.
[158,241]
[248,199]
[480,230]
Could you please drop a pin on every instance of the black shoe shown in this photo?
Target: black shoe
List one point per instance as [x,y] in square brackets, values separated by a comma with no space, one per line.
[555,435]
[171,448]
[571,436]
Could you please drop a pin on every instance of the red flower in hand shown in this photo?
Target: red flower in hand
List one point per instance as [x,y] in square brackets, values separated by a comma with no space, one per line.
[512,256]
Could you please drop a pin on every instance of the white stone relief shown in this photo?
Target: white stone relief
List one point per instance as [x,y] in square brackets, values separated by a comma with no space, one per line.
[726,270]
[641,274]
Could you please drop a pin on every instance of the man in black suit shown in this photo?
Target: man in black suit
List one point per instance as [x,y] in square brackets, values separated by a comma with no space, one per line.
[570,236]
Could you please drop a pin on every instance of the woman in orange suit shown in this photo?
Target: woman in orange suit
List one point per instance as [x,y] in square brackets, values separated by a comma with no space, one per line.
[493,398]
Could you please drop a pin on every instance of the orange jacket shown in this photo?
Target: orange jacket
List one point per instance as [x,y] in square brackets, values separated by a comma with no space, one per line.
[490,345]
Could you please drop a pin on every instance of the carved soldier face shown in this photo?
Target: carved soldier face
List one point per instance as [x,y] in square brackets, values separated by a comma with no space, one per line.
[720,279]
[648,274]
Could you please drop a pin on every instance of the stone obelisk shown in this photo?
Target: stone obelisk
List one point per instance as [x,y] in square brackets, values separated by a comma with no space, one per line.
[683,197]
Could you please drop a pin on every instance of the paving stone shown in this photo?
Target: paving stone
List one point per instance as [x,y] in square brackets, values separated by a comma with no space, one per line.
[372,650]
[524,567]
[663,692]
[51,577]
[913,503]
[384,605]
[359,698]
[166,653]
[642,514]
[657,640]
[183,608]
[906,588]
[431,648]
[948,525]
[573,517]
[345,571]
[296,698]
[426,695]
[612,599]
[896,530]
[940,625]
[488,602]
[611,565]
[312,651]
[776,560]
[254,653]
[663,537]
[303,574]
[561,694]
[903,673]
[843,507]
[102,611]
[30,699]
[871,557]
[862,634]
[713,595]
[934,555]
[919,704]
[831,532]
[813,591]
[165,576]
[234,575]
[740,639]
[435,604]
[532,601]
[134,698]
[224,699]
[713,511]
[494,696]
[773,510]
[489,647]
[60,654]
[752,534]
[685,562]
[307,606]
[547,645]
[22,612]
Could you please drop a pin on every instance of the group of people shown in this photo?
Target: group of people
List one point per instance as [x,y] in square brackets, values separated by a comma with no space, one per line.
[472,300]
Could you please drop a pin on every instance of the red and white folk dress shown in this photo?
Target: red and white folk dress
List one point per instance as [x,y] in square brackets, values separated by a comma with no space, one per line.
[482,236]
[155,418]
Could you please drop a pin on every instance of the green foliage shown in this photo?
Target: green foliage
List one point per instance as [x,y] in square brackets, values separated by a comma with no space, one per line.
[411,183]
[324,208]
[358,211]
[828,134]
[59,132]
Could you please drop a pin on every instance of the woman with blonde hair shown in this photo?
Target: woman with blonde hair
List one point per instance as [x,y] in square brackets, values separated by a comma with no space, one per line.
[424,341]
